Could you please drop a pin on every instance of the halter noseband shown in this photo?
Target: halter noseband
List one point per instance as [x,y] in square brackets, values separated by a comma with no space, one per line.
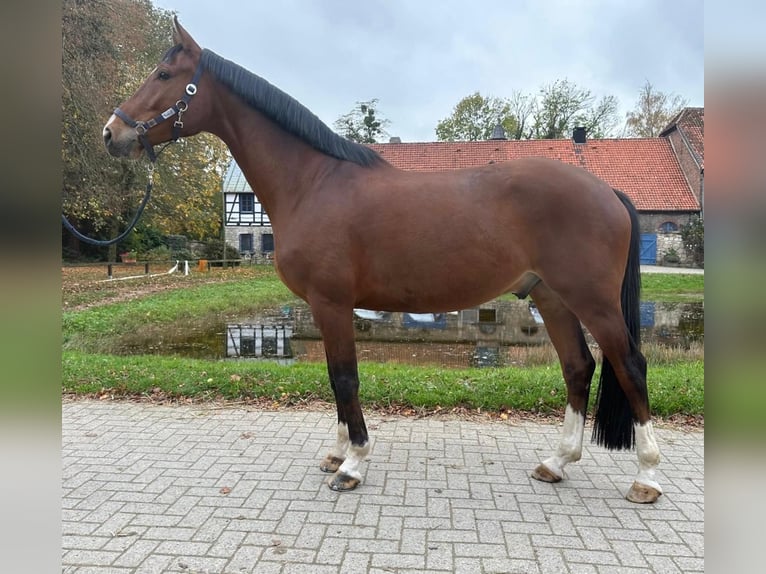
[177,109]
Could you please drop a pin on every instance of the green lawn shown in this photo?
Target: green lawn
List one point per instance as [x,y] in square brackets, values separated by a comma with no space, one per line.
[92,366]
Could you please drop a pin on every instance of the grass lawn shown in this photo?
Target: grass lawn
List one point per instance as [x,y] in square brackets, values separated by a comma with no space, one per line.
[97,312]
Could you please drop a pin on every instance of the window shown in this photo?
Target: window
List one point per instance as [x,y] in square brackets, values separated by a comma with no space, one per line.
[247,346]
[267,243]
[668,227]
[246,243]
[487,315]
[246,203]
[269,347]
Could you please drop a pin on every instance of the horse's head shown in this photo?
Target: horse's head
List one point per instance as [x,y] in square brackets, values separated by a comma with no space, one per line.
[163,108]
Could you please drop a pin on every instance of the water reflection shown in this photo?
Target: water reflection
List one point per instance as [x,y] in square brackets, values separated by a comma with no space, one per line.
[258,341]
[489,335]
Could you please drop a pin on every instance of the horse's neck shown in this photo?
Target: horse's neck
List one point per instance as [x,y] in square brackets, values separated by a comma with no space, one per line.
[277,165]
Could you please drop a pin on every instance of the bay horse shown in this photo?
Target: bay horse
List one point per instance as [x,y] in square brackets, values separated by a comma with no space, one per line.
[533,226]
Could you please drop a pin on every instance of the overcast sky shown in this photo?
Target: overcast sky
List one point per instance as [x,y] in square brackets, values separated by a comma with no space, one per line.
[420,58]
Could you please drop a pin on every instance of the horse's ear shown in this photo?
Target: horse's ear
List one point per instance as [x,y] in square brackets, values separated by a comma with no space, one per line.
[181,36]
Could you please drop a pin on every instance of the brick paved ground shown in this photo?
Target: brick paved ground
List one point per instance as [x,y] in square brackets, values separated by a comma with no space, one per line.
[200,490]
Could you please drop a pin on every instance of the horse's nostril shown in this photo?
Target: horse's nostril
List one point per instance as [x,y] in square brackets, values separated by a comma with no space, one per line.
[107,135]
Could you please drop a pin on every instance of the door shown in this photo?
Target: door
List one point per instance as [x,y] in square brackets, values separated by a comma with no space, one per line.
[648,249]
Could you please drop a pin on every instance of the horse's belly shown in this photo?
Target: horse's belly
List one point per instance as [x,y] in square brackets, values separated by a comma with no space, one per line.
[419,292]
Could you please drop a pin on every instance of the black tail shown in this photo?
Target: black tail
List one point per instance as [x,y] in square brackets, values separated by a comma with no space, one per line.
[613,424]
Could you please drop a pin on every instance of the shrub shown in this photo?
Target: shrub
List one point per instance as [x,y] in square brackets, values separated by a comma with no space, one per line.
[214,250]
[160,253]
[671,256]
[693,236]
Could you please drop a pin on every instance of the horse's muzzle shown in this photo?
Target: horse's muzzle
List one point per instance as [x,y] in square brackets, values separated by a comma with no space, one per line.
[121,146]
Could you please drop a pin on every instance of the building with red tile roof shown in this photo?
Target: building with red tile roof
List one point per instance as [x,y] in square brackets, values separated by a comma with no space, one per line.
[686,133]
[662,176]
[646,169]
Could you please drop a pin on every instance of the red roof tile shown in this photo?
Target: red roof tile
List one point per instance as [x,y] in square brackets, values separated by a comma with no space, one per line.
[646,169]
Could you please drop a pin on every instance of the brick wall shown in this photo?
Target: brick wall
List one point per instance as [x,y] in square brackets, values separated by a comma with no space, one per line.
[688,165]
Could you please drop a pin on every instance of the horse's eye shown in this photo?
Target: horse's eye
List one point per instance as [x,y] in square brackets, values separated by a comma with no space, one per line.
[163,75]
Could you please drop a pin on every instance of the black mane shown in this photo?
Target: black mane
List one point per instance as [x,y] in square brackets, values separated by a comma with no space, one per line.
[286,111]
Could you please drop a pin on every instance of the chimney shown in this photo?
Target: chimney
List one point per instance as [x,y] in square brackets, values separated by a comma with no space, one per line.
[579,135]
[498,133]
[394,139]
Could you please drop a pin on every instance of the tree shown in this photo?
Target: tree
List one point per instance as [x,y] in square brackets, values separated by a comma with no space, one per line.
[653,112]
[109,46]
[189,180]
[562,106]
[693,236]
[475,117]
[103,47]
[552,113]
[363,124]
[88,56]
[521,107]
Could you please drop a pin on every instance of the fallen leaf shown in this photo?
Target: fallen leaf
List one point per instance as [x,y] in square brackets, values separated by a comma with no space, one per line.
[225,490]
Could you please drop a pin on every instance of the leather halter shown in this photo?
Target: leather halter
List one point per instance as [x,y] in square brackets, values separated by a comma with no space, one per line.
[178,109]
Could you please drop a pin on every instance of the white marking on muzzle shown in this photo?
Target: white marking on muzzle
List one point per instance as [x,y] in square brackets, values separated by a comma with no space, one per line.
[109,122]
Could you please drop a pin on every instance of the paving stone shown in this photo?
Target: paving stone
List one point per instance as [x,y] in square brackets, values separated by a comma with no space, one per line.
[190,489]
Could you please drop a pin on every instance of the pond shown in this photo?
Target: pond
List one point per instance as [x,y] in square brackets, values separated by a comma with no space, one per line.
[498,333]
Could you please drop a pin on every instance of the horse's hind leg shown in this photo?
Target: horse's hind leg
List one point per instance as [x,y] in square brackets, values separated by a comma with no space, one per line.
[622,415]
[577,366]
[352,446]
[623,394]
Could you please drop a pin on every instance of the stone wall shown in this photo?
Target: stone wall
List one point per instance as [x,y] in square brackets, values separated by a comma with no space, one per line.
[232,238]
[650,222]
[668,241]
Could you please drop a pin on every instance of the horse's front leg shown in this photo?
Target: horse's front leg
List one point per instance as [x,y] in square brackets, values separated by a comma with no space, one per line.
[577,366]
[352,443]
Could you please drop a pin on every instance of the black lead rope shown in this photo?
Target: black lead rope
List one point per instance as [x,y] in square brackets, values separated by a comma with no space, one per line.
[139,211]
[131,225]
[141,128]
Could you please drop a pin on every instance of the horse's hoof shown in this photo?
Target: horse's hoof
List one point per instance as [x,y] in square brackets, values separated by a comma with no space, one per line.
[643,494]
[340,481]
[544,474]
[330,464]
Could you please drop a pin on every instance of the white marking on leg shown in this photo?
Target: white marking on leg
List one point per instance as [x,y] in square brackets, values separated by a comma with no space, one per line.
[648,454]
[356,454]
[342,442]
[570,447]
